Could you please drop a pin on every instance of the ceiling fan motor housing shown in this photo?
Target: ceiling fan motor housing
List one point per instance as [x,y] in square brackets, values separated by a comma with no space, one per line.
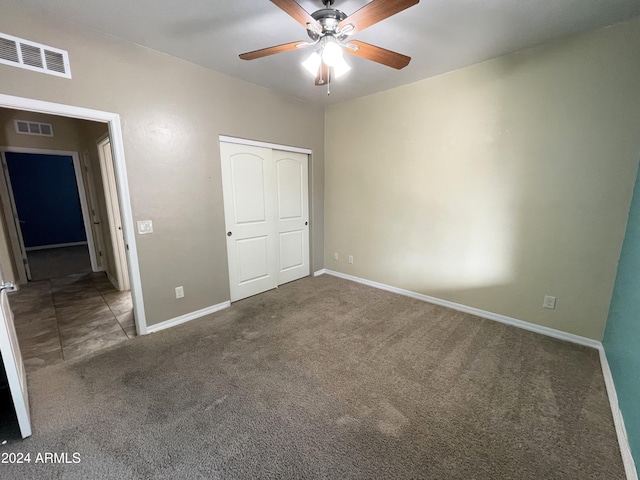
[329,19]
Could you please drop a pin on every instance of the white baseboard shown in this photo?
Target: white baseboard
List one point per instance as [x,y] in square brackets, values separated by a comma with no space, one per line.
[320,272]
[113,281]
[625,449]
[187,317]
[532,327]
[618,421]
[55,245]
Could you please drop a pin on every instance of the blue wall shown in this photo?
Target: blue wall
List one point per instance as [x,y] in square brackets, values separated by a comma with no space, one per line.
[46,195]
[622,336]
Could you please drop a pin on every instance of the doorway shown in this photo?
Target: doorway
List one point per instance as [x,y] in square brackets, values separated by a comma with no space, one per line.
[71,300]
[121,273]
[112,120]
[43,193]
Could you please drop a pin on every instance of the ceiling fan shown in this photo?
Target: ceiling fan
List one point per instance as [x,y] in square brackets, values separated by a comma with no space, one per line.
[330,30]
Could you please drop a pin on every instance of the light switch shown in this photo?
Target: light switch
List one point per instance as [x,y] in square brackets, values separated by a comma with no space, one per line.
[144,227]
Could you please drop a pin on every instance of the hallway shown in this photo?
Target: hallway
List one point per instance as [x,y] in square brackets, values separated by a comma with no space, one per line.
[64,318]
[58,262]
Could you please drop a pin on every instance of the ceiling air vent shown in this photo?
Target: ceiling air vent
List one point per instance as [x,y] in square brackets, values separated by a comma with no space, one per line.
[33,56]
[34,128]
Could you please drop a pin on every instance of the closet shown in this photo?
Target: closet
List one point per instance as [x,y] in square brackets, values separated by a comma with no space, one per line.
[266,207]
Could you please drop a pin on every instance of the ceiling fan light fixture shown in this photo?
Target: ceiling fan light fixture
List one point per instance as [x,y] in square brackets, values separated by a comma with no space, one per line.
[330,29]
[312,63]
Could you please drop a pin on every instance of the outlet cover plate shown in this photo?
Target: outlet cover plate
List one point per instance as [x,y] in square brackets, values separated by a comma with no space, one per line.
[549,302]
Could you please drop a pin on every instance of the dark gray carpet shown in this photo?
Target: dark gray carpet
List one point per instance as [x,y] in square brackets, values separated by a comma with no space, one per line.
[324,378]
[58,262]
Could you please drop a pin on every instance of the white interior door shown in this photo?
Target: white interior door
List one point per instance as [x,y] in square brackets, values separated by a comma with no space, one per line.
[92,200]
[248,178]
[292,189]
[15,233]
[14,368]
[113,214]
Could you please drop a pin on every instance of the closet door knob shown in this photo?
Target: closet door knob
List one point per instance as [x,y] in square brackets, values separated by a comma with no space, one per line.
[306,223]
[229,234]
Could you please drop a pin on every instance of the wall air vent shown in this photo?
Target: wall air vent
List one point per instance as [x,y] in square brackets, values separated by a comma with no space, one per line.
[33,56]
[33,128]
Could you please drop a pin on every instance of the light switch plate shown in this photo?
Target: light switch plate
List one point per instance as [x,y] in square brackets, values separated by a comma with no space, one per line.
[145,227]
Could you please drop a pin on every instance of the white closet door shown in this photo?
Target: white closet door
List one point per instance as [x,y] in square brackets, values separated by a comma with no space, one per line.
[292,198]
[248,178]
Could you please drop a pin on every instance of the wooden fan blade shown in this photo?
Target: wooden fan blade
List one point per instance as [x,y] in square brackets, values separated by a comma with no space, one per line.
[265,52]
[378,54]
[325,73]
[298,13]
[374,12]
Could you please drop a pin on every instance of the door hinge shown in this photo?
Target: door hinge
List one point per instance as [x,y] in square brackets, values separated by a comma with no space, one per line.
[99,253]
[25,261]
[10,286]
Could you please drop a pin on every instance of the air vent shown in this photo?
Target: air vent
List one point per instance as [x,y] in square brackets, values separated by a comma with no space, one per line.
[33,128]
[33,56]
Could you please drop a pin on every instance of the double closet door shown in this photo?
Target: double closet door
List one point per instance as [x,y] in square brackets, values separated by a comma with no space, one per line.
[266,207]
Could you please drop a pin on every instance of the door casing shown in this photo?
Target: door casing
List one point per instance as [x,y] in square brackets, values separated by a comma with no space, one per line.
[117,145]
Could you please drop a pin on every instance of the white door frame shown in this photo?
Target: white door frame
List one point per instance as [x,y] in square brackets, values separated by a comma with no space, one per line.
[12,226]
[113,214]
[117,147]
[256,143]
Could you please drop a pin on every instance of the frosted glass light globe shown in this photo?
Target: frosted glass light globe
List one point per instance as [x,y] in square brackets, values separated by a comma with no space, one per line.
[332,52]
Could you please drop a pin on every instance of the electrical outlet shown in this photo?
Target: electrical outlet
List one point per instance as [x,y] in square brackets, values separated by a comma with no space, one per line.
[180,292]
[336,256]
[351,259]
[549,302]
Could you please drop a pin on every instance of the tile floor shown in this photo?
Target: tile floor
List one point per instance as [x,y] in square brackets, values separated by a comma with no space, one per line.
[63,318]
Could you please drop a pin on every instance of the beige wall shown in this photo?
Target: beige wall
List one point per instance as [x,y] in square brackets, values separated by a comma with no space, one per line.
[494,185]
[172,113]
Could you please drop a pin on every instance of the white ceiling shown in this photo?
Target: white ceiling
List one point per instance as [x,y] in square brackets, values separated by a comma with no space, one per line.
[439,35]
